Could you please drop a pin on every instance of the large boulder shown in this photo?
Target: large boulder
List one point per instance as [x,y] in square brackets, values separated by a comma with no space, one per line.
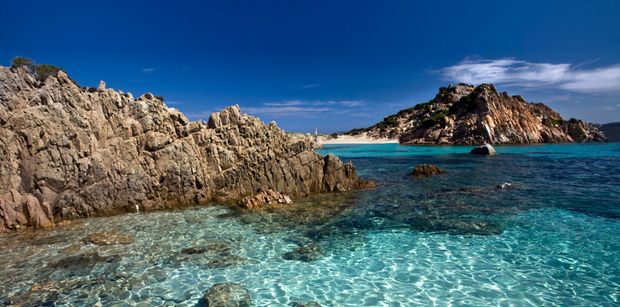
[227,295]
[485,149]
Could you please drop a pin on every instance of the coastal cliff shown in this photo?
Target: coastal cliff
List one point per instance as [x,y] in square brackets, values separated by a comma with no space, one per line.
[464,114]
[68,152]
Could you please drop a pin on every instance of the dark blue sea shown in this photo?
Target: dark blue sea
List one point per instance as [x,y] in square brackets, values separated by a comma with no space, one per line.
[550,238]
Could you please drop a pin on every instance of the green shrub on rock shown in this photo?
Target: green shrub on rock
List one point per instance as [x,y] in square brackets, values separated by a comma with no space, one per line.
[22,62]
[40,71]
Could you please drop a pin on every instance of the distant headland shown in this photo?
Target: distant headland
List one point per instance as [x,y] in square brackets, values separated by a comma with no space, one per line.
[468,115]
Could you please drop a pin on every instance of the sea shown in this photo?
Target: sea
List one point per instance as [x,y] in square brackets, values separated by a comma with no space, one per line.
[535,225]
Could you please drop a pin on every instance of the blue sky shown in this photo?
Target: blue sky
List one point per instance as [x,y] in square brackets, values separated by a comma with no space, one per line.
[334,65]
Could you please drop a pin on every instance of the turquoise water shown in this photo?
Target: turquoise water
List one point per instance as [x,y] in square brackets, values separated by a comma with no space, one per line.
[453,239]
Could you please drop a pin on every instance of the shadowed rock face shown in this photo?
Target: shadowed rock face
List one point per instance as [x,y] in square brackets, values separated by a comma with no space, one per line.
[67,152]
[612,131]
[464,114]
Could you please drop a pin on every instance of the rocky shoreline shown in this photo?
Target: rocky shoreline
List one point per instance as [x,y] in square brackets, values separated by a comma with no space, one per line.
[70,152]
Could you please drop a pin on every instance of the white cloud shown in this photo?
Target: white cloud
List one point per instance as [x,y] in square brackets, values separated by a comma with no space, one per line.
[283,110]
[526,74]
[285,103]
[298,107]
[305,86]
[149,70]
[595,80]
[345,103]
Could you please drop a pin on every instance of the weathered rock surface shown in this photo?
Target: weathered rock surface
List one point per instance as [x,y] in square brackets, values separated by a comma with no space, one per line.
[485,150]
[425,170]
[464,114]
[227,295]
[68,152]
[264,198]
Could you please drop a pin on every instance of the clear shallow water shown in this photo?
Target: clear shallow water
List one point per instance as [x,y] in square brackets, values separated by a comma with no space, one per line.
[450,239]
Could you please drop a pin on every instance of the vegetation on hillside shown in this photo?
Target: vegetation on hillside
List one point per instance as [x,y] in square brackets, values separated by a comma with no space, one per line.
[40,71]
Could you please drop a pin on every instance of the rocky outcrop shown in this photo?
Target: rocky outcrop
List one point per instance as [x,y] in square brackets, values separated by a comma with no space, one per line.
[425,170]
[464,114]
[485,150]
[68,152]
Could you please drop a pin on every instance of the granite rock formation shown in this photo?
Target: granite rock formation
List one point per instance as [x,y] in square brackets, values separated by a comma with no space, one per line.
[425,170]
[464,114]
[68,152]
[485,150]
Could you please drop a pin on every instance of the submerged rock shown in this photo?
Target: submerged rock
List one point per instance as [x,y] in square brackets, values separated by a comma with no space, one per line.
[485,149]
[49,240]
[223,261]
[264,198]
[457,226]
[305,253]
[69,153]
[425,170]
[218,247]
[48,293]
[88,259]
[193,250]
[108,238]
[227,295]
[306,304]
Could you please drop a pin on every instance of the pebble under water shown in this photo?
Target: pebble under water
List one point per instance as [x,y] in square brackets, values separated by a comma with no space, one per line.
[550,238]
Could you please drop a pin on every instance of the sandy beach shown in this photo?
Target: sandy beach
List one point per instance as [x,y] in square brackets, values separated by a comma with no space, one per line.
[354,139]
